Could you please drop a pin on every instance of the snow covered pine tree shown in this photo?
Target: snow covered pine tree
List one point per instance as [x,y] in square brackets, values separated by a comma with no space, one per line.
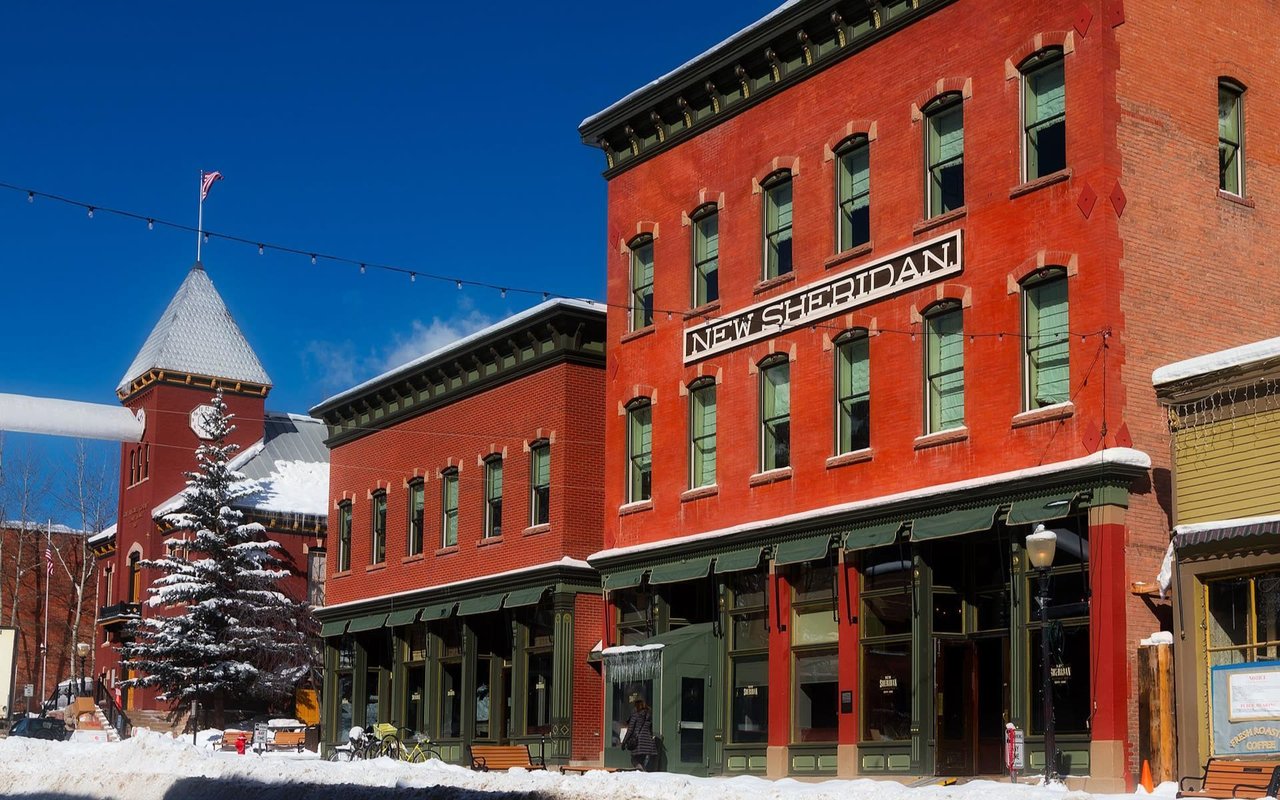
[220,626]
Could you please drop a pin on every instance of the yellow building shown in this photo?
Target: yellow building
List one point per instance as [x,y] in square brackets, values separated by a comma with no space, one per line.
[1224,559]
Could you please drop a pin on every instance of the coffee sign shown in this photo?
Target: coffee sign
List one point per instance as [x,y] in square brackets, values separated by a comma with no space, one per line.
[916,266]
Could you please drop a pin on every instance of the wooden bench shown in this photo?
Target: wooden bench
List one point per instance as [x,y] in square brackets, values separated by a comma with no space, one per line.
[1229,778]
[575,769]
[489,757]
[289,740]
[229,739]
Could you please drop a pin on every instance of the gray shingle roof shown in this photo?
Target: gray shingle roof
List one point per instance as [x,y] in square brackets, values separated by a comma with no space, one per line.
[197,334]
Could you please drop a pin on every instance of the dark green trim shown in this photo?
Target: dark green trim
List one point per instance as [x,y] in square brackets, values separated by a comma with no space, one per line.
[484,604]
[798,551]
[367,623]
[685,569]
[402,617]
[336,628]
[1042,508]
[439,611]
[955,522]
[526,597]
[869,536]
[624,579]
[739,560]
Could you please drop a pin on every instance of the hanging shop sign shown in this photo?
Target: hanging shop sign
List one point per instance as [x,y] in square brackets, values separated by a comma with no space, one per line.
[918,265]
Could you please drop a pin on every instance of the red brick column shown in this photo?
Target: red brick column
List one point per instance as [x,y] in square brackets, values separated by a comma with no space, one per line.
[1108,637]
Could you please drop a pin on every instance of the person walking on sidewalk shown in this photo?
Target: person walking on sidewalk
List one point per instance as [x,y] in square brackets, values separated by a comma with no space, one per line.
[639,739]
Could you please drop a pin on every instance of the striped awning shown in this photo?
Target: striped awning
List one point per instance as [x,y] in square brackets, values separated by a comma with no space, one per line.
[1228,530]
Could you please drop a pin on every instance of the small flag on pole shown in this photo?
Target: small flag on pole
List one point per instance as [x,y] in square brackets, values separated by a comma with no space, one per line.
[207,183]
[48,561]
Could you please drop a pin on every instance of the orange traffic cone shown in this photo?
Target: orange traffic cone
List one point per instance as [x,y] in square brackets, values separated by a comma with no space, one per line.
[1146,777]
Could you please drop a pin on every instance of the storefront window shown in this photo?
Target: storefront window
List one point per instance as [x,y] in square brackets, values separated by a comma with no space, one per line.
[1069,674]
[415,646]
[750,712]
[748,658]
[621,705]
[886,692]
[1243,618]
[816,697]
[345,687]
[888,611]
[538,693]
[814,634]
[633,614]
[450,700]
[371,698]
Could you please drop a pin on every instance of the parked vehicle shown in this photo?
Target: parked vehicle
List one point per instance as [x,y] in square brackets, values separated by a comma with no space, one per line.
[40,728]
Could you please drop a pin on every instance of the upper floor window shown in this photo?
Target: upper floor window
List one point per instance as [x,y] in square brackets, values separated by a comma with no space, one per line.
[944,132]
[775,414]
[1044,115]
[944,373]
[853,393]
[416,504]
[1046,365]
[540,483]
[379,522]
[639,451]
[1231,138]
[777,224]
[449,507]
[641,282]
[344,537]
[493,496]
[706,255]
[853,194]
[702,434]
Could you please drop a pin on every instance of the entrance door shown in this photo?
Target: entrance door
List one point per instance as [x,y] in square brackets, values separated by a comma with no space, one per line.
[687,720]
[956,685]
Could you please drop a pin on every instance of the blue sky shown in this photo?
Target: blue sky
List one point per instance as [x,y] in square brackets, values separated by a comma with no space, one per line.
[433,136]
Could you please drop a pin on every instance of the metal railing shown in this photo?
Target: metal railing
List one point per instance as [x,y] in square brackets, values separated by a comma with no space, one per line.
[106,700]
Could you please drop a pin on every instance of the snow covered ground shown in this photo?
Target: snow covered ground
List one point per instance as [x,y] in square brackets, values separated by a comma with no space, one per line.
[159,767]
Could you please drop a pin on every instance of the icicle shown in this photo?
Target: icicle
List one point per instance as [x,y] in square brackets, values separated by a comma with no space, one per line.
[631,664]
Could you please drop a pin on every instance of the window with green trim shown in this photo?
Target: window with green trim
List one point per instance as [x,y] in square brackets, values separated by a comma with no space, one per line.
[706,255]
[379,524]
[540,483]
[493,496]
[944,373]
[814,650]
[1242,621]
[775,413]
[344,537]
[1044,114]
[853,392]
[416,504]
[885,638]
[449,507]
[748,615]
[853,194]
[641,282]
[944,134]
[1047,363]
[1231,137]
[777,224]
[702,433]
[639,451]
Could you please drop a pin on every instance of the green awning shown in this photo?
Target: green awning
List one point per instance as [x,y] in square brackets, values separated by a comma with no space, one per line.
[334,628]
[798,551]
[369,623]
[439,611]
[877,535]
[402,617]
[738,560]
[686,569]
[526,597]
[484,604]
[1043,508]
[624,579]
[953,523]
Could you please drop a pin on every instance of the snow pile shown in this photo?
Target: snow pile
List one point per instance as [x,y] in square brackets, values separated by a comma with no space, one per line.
[1165,576]
[300,487]
[1243,356]
[155,766]
[1159,637]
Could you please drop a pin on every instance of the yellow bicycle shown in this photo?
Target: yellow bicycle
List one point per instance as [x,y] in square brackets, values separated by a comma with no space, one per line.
[404,744]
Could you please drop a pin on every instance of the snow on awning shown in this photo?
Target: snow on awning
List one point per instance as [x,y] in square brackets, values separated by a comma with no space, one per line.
[52,417]
[1225,530]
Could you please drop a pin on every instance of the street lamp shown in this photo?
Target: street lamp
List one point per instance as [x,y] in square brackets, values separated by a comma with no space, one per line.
[82,650]
[1040,546]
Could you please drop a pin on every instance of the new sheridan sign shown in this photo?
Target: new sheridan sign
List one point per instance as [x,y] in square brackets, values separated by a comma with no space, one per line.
[907,269]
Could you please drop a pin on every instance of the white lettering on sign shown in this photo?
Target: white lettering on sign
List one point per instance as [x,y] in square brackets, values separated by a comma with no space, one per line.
[1253,695]
[888,683]
[907,269]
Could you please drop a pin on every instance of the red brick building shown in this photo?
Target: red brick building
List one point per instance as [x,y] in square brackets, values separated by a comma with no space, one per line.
[887,284]
[195,349]
[465,492]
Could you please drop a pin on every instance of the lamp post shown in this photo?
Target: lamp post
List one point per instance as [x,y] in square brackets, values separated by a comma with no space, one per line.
[82,650]
[1040,546]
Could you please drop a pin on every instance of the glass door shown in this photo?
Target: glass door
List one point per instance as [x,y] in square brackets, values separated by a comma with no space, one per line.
[955,689]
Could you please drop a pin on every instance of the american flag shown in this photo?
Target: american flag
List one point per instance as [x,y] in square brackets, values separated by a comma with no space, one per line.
[207,183]
[48,561]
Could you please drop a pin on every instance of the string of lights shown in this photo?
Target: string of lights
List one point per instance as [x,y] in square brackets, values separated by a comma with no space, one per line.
[413,273]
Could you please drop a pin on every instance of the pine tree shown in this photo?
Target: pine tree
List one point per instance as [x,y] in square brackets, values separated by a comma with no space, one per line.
[220,623]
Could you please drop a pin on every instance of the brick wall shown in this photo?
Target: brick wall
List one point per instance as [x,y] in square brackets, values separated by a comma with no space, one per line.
[588,688]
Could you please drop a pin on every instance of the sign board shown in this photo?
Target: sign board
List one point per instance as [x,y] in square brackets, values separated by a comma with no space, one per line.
[917,266]
[1245,703]
[261,731]
[1015,749]
[29,690]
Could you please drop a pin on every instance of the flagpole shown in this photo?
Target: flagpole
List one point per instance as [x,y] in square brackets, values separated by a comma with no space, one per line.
[200,215]
[44,656]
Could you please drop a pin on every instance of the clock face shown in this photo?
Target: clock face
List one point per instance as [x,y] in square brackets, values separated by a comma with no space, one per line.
[198,416]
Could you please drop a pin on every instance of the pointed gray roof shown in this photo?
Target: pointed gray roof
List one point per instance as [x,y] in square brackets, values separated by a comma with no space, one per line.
[197,334]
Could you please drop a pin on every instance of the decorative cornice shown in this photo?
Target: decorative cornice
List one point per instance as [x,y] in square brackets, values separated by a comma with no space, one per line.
[190,380]
[764,59]
[561,334]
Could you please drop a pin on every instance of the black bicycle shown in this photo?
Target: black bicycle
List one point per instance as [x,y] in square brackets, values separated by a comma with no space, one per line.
[361,746]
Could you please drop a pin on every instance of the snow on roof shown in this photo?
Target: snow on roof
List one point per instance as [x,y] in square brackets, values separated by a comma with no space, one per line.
[290,466]
[565,561]
[1213,525]
[510,322]
[197,334]
[694,63]
[1114,455]
[42,527]
[1243,356]
[106,535]
[53,417]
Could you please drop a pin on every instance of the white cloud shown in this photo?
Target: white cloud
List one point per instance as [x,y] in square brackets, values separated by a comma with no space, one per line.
[423,338]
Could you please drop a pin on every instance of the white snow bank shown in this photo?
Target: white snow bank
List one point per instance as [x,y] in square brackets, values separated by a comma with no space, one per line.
[1164,578]
[1159,637]
[154,766]
[52,417]
[1216,362]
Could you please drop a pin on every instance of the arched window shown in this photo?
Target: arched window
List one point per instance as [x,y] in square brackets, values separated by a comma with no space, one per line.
[1231,137]
[1044,114]
[639,451]
[540,482]
[702,433]
[449,507]
[706,255]
[944,367]
[777,224]
[641,282]
[853,193]
[944,155]
[775,413]
[493,496]
[1046,363]
[853,392]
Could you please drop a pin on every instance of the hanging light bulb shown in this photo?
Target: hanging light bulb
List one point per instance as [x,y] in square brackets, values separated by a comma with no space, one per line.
[459,285]
[206,238]
[546,296]
[90,212]
[413,277]
[151,224]
[313,259]
[31,197]
[502,293]
[260,248]
[362,269]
